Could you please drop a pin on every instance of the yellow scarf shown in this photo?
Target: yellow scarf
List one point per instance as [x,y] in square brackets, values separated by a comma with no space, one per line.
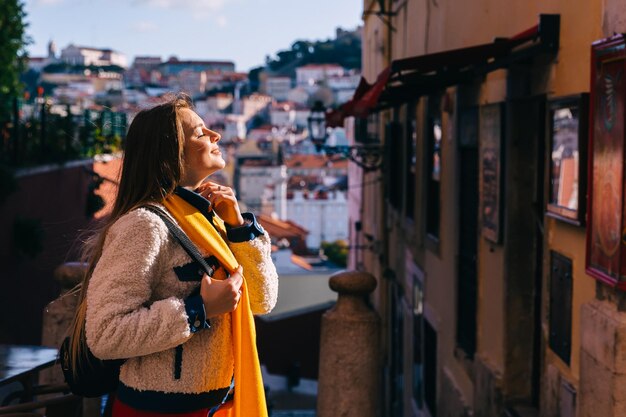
[249,393]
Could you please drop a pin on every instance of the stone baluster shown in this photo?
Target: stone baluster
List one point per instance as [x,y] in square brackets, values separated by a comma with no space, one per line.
[57,318]
[59,313]
[349,367]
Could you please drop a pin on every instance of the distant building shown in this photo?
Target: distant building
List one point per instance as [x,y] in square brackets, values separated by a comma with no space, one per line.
[219,102]
[255,174]
[173,66]
[190,82]
[225,80]
[36,63]
[147,62]
[289,114]
[143,71]
[312,74]
[83,55]
[323,213]
[344,87]
[278,87]
[304,191]
[254,103]
[282,114]
[306,165]
[298,95]
[234,128]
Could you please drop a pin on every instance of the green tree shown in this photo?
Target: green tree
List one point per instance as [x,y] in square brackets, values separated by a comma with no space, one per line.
[345,51]
[336,252]
[13,40]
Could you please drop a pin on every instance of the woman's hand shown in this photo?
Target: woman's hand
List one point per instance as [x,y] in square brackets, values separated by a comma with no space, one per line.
[221,296]
[223,201]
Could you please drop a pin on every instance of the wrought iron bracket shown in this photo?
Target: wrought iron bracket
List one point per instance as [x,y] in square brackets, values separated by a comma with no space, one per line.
[368,157]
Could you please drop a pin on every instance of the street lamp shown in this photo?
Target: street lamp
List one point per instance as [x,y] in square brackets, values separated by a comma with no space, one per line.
[369,156]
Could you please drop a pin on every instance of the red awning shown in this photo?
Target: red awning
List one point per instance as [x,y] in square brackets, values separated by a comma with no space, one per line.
[362,106]
[367,96]
[335,117]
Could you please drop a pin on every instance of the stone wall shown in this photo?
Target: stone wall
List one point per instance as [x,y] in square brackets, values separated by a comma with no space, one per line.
[603,360]
[54,198]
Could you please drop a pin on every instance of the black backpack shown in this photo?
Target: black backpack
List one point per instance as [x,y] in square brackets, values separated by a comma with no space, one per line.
[95,377]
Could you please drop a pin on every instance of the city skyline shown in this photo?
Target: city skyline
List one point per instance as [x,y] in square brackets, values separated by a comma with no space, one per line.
[241,31]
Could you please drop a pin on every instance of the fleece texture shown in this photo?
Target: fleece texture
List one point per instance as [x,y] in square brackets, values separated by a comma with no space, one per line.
[136,309]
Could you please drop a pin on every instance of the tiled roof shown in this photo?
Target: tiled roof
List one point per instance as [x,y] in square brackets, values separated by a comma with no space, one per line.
[257,162]
[307,161]
[280,229]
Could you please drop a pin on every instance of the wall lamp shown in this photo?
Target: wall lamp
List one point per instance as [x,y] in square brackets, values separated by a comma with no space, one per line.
[367,156]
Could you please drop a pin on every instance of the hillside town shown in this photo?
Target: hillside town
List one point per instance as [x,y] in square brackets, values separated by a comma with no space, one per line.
[72,118]
[272,163]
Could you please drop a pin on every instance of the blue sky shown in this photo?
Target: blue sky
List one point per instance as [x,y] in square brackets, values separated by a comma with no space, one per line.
[243,31]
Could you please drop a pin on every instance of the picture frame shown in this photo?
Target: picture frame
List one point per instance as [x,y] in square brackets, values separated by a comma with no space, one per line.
[606,247]
[568,126]
[491,155]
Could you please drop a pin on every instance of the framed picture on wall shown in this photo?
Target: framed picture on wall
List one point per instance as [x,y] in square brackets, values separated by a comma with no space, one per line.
[491,162]
[606,245]
[567,174]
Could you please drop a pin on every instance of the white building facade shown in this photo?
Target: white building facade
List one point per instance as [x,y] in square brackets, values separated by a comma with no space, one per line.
[278,87]
[325,217]
[253,180]
[312,74]
[81,55]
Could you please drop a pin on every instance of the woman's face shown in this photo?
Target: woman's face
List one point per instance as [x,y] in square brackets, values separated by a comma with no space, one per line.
[202,154]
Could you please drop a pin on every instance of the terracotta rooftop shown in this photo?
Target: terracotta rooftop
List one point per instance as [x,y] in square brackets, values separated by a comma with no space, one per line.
[280,229]
[288,105]
[305,161]
[251,162]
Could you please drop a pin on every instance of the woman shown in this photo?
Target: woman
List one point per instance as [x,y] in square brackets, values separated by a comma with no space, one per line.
[186,336]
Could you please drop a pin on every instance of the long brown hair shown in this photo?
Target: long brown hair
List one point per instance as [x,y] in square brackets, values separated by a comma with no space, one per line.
[151,169]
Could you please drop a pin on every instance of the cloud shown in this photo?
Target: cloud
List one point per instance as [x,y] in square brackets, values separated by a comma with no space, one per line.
[222,21]
[144,26]
[199,10]
[195,5]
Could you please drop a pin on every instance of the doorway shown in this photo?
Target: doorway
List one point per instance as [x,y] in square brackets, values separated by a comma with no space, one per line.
[523,248]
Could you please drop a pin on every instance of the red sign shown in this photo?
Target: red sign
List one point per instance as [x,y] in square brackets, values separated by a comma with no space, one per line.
[606,231]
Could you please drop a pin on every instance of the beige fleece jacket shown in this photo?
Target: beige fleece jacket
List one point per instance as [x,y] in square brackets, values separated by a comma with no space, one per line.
[135,307]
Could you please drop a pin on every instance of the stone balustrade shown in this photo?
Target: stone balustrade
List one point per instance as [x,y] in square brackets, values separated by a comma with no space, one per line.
[349,350]
[57,318]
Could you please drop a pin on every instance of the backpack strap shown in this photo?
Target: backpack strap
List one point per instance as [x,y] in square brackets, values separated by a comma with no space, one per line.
[183,239]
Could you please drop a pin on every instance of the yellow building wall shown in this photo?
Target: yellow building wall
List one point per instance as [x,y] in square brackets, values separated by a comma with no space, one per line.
[426,26]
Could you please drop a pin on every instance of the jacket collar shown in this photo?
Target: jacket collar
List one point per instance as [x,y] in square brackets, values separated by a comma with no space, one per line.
[202,204]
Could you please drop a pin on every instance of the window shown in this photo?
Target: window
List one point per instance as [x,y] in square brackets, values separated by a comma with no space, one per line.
[411,161]
[561,305]
[467,158]
[418,341]
[568,140]
[430,368]
[394,163]
[434,135]
[366,130]
[397,355]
